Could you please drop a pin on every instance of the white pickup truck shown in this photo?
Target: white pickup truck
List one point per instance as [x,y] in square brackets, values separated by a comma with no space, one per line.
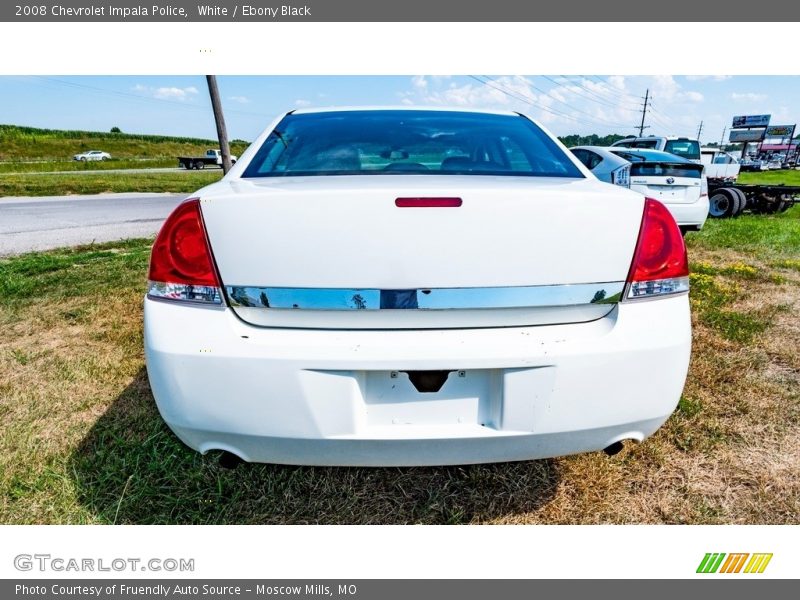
[720,166]
[211,157]
[680,146]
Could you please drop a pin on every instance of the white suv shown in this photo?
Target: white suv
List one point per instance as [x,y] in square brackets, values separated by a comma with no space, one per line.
[680,146]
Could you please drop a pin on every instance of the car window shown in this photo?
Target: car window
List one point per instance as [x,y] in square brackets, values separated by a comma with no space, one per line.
[654,169]
[409,142]
[686,148]
[643,144]
[589,159]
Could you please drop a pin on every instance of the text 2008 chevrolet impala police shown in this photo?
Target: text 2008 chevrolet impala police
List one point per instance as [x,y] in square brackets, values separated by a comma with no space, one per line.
[415,287]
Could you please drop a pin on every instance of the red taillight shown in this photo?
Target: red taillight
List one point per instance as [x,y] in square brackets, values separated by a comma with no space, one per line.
[427,202]
[660,265]
[181,266]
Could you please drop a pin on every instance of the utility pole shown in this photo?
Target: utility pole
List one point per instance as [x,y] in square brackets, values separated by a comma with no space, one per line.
[219,119]
[722,139]
[699,131]
[644,112]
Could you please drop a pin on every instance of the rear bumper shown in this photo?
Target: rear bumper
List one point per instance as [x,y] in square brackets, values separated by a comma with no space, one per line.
[694,214]
[341,397]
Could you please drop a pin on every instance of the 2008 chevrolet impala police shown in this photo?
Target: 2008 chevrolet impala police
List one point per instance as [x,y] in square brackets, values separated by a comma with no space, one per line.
[415,287]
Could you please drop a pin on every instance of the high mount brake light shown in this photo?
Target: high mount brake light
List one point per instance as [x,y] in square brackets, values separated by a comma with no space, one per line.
[181,264]
[427,202]
[660,265]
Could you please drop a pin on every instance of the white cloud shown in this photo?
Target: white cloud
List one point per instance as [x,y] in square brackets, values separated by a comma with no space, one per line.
[693,96]
[617,82]
[711,77]
[666,89]
[302,103]
[167,92]
[240,99]
[748,97]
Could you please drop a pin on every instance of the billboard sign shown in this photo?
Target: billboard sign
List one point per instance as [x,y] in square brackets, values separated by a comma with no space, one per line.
[780,131]
[746,135]
[751,121]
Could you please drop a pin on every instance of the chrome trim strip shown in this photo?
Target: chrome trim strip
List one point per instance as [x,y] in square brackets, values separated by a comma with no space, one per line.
[425,298]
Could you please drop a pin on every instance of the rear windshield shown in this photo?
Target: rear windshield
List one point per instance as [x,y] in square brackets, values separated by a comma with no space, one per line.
[638,144]
[409,142]
[648,169]
[686,148]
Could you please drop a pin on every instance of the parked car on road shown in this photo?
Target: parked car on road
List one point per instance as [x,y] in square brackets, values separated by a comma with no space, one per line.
[680,146]
[415,287]
[211,157]
[678,183]
[92,155]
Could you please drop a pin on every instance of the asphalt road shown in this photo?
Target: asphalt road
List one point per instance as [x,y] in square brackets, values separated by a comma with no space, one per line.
[50,222]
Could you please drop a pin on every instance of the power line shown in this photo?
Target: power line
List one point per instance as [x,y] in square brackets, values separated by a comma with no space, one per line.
[590,98]
[139,97]
[593,96]
[592,121]
[568,105]
[521,98]
[607,88]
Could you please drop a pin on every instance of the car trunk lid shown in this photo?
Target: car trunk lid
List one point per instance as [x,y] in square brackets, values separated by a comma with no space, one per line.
[341,252]
[669,183]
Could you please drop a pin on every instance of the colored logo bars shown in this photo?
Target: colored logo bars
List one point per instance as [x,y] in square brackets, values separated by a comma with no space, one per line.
[718,563]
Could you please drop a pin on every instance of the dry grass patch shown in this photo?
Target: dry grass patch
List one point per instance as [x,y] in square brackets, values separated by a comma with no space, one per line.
[81,441]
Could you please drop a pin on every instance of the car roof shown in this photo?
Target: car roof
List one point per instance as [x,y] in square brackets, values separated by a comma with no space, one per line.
[655,138]
[332,109]
[646,154]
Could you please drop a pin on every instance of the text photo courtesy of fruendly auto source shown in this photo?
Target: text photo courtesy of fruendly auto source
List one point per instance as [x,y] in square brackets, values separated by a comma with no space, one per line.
[454,299]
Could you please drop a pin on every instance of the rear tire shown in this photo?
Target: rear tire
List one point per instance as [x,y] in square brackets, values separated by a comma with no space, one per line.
[199,164]
[742,201]
[724,203]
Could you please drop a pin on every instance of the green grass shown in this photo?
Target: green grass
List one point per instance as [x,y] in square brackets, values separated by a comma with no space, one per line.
[790,177]
[70,272]
[51,166]
[22,144]
[766,236]
[99,182]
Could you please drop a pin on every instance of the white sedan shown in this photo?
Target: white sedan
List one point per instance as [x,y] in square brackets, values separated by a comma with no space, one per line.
[679,183]
[415,287]
[92,155]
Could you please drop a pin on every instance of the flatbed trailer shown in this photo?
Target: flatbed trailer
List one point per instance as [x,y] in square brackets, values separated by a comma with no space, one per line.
[729,199]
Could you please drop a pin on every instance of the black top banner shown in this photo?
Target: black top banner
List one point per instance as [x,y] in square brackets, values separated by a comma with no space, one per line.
[712,11]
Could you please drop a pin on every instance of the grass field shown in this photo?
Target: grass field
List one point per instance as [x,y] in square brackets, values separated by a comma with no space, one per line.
[25,144]
[791,177]
[82,442]
[51,166]
[32,161]
[99,182]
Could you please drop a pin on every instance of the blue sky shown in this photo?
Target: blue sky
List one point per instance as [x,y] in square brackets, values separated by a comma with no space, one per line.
[179,105]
